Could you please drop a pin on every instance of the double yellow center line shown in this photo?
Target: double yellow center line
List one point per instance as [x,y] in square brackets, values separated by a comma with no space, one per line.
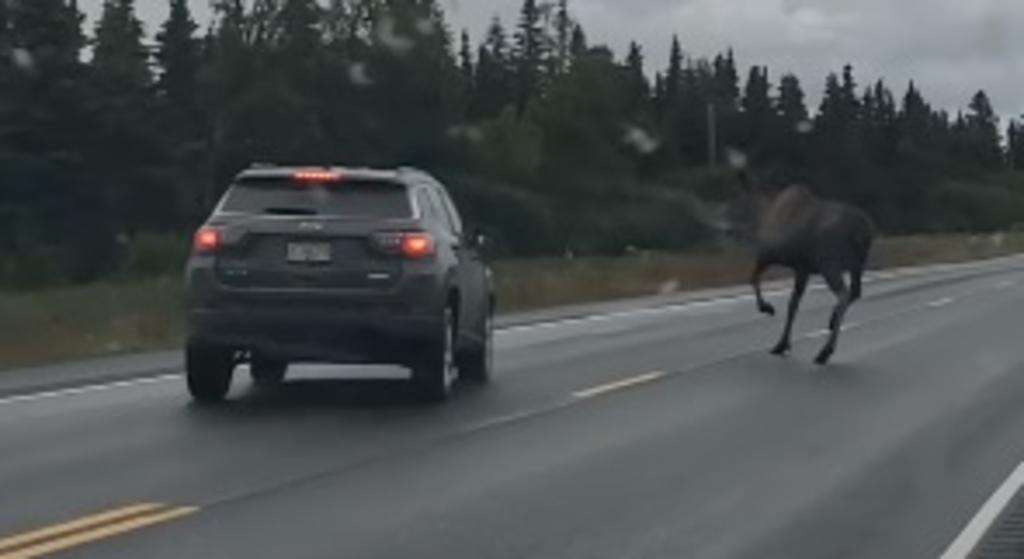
[88,529]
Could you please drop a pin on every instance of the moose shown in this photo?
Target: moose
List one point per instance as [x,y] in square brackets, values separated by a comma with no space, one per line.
[796,229]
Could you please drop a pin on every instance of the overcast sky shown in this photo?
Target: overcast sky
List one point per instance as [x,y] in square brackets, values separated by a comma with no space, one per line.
[950,47]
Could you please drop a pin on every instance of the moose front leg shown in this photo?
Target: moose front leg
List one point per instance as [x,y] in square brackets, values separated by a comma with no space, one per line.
[799,288]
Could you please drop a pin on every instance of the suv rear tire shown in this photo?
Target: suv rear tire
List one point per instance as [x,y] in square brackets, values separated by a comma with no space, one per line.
[476,364]
[266,372]
[208,370]
[433,372]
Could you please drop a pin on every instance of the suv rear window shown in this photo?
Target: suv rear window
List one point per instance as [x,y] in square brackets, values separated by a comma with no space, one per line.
[357,199]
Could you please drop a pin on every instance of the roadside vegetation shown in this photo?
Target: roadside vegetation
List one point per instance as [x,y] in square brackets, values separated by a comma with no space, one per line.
[131,314]
[117,137]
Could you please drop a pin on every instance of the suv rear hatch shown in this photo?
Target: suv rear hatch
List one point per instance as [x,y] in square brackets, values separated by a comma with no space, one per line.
[284,233]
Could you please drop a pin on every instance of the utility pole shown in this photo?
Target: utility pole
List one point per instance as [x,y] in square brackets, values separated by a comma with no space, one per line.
[712,137]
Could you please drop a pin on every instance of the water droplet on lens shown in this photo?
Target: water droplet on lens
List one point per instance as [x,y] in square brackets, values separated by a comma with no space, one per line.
[358,76]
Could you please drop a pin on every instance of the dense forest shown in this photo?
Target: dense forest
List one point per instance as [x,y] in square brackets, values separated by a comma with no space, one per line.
[115,141]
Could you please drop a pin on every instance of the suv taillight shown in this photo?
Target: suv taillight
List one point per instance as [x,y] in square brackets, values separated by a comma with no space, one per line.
[407,244]
[206,240]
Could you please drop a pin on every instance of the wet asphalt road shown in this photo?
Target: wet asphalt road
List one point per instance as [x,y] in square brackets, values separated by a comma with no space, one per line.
[653,431]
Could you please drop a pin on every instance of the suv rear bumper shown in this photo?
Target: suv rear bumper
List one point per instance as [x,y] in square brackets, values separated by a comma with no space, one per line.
[316,335]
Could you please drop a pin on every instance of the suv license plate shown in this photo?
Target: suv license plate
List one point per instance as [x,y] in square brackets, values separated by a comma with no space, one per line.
[313,253]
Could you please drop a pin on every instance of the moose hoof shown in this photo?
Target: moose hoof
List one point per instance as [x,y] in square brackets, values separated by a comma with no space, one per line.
[781,350]
[767,309]
[823,358]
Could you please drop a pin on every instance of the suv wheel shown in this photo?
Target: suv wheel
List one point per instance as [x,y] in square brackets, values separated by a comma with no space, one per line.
[477,364]
[267,372]
[433,373]
[208,370]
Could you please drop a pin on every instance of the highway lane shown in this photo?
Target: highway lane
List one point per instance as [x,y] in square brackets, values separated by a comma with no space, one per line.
[650,432]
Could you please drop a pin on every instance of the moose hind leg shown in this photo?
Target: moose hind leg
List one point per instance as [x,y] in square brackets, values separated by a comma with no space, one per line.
[856,280]
[837,284]
[755,280]
[799,288]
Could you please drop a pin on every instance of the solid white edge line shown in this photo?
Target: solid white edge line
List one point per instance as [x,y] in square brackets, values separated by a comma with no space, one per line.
[21,398]
[618,385]
[963,546]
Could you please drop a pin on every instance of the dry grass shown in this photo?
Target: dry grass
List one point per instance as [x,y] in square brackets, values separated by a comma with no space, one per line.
[77,322]
[70,323]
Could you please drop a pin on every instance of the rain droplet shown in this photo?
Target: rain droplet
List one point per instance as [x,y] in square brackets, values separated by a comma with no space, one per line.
[426,26]
[391,40]
[805,127]
[466,132]
[736,158]
[640,140]
[23,59]
[668,287]
[358,76]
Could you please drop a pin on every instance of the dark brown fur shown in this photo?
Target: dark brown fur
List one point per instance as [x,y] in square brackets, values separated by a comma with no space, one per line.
[810,235]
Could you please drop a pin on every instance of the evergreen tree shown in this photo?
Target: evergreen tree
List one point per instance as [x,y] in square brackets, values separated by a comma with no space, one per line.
[120,57]
[982,133]
[637,85]
[726,83]
[756,101]
[529,55]
[915,117]
[578,43]
[494,74]
[1015,145]
[466,69]
[790,136]
[178,53]
[850,106]
[758,111]
[791,105]
[674,73]
[298,35]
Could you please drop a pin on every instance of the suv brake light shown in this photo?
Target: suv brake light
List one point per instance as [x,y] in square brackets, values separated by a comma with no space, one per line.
[413,245]
[206,240]
[417,245]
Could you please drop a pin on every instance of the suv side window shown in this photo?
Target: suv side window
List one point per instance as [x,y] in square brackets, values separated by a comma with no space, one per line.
[450,211]
[428,210]
[442,211]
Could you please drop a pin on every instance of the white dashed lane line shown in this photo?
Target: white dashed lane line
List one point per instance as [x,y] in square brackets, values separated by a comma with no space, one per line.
[618,385]
[938,303]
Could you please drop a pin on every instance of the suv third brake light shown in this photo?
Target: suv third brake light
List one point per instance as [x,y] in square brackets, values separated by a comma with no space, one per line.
[316,176]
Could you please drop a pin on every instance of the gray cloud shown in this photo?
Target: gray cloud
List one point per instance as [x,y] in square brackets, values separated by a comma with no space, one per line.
[950,47]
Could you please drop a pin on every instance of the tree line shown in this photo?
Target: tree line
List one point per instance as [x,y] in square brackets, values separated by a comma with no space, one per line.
[113,144]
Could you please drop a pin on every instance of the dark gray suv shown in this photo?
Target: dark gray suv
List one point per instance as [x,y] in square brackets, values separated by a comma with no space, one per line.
[336,265]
